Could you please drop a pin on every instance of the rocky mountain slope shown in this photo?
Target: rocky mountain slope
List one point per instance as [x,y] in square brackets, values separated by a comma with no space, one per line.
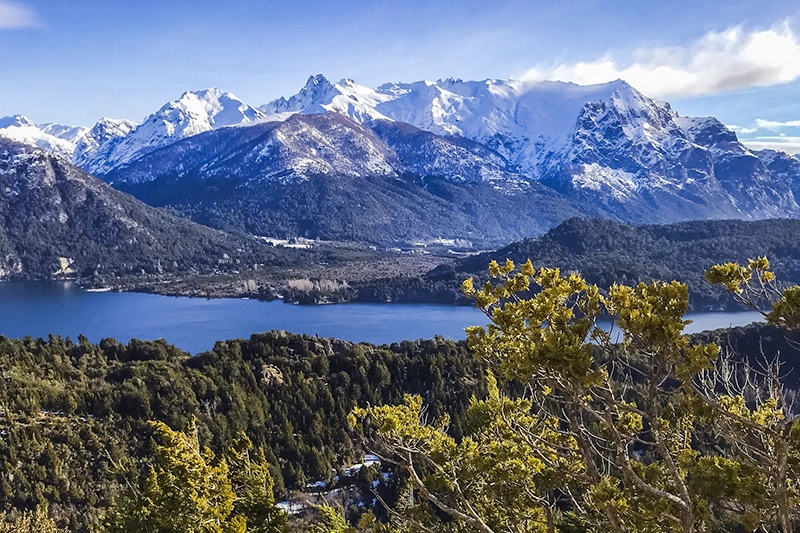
[326,176]
[607,146]
[57,220]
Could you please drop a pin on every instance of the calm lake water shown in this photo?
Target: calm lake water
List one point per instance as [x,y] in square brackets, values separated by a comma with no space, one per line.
[194,324]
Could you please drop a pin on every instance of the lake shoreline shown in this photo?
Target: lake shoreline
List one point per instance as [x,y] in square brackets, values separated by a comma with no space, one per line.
[194,324]
[353,294]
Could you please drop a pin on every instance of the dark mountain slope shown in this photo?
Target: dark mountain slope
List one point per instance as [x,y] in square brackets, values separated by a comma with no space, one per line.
[56,219]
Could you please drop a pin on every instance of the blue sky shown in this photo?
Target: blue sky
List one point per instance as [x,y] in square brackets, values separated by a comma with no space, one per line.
[75,61]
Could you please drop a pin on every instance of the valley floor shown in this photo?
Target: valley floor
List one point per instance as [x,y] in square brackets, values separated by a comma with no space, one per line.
[322,282]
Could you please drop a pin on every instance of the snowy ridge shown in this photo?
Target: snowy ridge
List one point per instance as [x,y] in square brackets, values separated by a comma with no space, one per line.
[193,113]
[320,145]
[321,96]
[605,146]
[21,129]
[303,146]
[71,134]
[96,147]
[523,121]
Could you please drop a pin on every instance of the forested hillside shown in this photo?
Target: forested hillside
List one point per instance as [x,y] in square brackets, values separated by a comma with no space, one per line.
[73,415]
[56,220]
[607,252]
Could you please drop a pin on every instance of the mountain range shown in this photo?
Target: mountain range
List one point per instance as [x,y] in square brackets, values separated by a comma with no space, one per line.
[488,161]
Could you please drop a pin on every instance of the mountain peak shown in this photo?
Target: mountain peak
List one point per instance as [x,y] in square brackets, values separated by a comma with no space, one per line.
[317,80]
[208,108]
[193,113]
[317,92]
[15,120]
[54,138]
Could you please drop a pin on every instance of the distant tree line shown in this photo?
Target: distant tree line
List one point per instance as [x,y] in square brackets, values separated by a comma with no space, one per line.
[605,252]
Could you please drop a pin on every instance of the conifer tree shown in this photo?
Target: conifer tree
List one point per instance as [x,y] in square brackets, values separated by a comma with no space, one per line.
[187,490]
[30,522]
[253,488]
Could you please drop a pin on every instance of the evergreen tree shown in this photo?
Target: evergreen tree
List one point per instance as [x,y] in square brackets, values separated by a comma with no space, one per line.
[185,491]
[30,522]
[252,484]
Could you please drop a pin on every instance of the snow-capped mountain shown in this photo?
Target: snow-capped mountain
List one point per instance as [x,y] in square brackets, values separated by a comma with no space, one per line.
[79,144]
[319,145]
[605,150]
[327,176]
[523,121]
[96,146]
[192,113]
[72,134]
[606,145]
[321,96]
[300,146]
[54,138]
[639,158]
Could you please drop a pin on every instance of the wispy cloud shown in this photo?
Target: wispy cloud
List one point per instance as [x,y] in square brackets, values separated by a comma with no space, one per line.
[16,15]
[775,125]
[782,143]
[767,135]
[717,62]
[742,130]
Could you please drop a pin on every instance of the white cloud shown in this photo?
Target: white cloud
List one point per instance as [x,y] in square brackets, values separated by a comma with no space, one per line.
[717,62]
[782,143]
[742,130]
[775,125]
[16,15]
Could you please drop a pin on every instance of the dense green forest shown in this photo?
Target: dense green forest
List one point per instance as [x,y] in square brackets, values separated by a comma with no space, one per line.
[607,252]
[72,412]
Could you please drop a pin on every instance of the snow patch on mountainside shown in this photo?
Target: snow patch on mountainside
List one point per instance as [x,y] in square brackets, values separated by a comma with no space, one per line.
[72,134]
[314,145]
[94,148]
[621,185]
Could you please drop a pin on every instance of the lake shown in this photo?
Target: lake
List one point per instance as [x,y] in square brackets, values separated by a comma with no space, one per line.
[194,324]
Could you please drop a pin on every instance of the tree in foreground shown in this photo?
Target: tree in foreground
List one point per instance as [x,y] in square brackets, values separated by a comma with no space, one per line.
[187,490]
[628,427]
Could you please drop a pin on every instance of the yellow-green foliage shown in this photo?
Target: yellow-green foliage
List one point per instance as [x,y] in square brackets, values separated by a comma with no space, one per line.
[248,472]
[330,520]
[593,430]
[754,285]
[188,491]
[30,522]
[501,475]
